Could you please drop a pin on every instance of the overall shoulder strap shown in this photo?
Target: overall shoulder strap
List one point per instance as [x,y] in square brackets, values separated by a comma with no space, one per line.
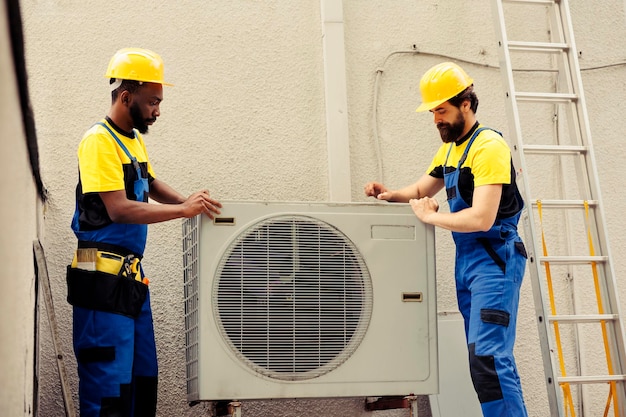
[474,136]
[121,144]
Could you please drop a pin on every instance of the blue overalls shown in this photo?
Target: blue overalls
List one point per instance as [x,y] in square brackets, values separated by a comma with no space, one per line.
[489,270]
[115,353]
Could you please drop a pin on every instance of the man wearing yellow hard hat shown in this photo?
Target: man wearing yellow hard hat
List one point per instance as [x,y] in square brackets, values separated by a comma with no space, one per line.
[474,166]
[113,334]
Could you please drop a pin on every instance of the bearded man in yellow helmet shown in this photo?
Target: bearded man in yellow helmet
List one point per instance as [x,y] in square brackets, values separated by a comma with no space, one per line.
[113,333]
[474,165]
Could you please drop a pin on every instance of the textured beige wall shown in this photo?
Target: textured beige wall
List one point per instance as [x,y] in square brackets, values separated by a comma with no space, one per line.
[18,226]
[246,120]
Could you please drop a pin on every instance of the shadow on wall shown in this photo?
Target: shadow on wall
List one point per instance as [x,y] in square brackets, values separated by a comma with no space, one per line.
[17,46]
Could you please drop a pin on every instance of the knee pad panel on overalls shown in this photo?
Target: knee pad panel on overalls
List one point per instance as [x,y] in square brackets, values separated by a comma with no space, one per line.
[145,396]
[117,406]
[484,376]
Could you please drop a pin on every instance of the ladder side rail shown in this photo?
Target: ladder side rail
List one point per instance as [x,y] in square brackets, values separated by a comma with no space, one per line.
[570,74]
[594,184]
[610,290]
[569,95]
[533,248]
[570,68]
[542,312]
[567,82]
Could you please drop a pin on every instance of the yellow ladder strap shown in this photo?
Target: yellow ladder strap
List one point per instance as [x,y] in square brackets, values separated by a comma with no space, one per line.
[596,282]
[567,391]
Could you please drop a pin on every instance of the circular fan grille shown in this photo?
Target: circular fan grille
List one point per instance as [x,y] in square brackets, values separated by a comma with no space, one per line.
[292,297]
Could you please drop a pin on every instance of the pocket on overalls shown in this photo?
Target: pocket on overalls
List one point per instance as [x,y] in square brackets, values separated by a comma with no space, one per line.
[142,189]
[519,246]
[492,253]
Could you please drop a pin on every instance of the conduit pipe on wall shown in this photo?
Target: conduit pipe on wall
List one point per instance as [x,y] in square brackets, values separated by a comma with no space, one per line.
[338,140]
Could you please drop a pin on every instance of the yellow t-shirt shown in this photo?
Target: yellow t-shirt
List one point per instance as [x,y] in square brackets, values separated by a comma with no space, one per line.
[488,162]
[103,164]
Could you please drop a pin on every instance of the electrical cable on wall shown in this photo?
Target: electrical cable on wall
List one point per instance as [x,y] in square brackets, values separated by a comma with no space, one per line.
[415,51]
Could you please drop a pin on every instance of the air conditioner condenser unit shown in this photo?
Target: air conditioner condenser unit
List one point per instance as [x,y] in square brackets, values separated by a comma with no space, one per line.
[302,300]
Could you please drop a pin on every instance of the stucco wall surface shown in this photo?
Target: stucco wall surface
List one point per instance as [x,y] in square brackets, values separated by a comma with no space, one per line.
[18,226]
[246,120]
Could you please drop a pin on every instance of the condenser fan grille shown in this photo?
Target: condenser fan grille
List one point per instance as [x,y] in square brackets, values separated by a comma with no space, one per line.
[292,297]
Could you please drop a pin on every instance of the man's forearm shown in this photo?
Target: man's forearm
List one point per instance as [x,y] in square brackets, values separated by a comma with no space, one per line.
[163,193]
[146,213]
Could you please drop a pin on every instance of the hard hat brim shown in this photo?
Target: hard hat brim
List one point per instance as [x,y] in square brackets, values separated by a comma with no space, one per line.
[429,106]
[145,81]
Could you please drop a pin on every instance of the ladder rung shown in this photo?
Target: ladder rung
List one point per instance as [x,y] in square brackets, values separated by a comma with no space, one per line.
[561,149]
[590,379]
[548,204]
[538,46]
[583,318]
[546,97]
[572,260]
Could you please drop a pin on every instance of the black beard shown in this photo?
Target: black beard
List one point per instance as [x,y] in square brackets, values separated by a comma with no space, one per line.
[139,122]
[452,132]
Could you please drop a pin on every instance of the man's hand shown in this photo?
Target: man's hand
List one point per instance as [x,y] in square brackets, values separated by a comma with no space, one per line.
[201,202]
[424,207]
[375,189]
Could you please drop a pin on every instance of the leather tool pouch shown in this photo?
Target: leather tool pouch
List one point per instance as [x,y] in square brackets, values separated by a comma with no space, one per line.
[97,290]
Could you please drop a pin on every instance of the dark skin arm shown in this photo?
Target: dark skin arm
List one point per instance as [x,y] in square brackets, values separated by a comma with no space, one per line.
[123,210]
[173,204]
[163,193]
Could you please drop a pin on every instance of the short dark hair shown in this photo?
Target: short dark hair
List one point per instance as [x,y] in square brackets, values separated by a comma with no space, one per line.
[467,94]
[127,85]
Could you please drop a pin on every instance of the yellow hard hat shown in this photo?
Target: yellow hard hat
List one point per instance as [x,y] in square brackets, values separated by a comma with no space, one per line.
[441,83]
[136,64]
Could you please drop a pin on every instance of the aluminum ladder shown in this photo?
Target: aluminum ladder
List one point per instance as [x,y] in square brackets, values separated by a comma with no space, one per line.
[581,329]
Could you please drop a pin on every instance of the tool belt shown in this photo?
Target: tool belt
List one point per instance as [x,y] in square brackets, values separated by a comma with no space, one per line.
[106,278]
